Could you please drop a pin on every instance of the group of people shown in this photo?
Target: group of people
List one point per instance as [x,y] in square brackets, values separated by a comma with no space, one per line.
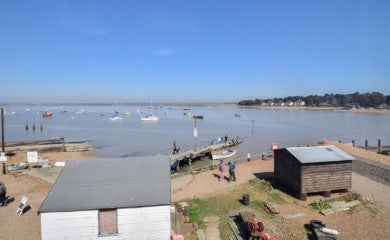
[232,171]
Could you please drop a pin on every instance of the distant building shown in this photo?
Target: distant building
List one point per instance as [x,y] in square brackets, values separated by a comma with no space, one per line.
[118,198]
[313,169]
[289,103]
[299,103]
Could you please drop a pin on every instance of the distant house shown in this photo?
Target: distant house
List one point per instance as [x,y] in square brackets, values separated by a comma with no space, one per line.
[299,103]
[289,103]
[118,198]
[313,169]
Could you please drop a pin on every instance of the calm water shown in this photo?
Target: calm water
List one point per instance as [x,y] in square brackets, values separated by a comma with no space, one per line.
[131,137]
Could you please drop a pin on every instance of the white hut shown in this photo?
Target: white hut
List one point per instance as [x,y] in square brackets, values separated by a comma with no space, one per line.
[118,198]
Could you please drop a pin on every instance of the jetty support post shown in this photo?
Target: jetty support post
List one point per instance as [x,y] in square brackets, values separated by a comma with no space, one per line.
[366,144]
[2,137]
[379,145]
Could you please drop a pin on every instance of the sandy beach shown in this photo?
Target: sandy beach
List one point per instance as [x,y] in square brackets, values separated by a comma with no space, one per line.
[202,185]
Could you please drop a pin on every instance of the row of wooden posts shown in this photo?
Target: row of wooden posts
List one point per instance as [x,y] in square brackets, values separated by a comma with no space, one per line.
[33,127]
[366,144]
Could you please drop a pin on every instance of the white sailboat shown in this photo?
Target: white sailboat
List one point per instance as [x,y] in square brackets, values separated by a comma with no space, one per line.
[151,117]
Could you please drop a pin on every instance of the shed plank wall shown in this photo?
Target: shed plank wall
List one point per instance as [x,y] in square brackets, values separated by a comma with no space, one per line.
[133,223]
[326,177]
[287,169]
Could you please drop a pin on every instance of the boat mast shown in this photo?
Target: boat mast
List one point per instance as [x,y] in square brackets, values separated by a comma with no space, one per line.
[195,134]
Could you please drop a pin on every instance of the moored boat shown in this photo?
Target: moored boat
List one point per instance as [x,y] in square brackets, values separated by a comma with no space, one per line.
[17,166]
[47,115]
[224,153]
[198,116]
[115,118]
[239,115]
[149,118]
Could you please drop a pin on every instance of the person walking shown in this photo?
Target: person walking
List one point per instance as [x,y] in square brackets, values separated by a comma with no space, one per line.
[232,171]
[221,170]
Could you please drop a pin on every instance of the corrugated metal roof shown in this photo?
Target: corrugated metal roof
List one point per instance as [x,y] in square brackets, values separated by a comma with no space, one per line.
[111,183]
[319,154]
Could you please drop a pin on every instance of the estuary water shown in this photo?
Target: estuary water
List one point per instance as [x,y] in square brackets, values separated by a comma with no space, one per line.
[131,137]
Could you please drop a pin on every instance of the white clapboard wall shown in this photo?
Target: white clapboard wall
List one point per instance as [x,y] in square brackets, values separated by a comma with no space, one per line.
[133,223]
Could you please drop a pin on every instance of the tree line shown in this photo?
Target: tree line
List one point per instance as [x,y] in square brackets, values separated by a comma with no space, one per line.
[365,100]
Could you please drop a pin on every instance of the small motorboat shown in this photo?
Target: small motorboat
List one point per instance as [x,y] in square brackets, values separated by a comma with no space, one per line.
[224,153]
[17,166]
[115,118]
[198,116]
[149,118]
[240,115]
[47,115]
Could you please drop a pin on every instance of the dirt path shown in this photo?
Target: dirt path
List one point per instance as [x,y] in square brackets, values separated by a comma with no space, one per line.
[206,183]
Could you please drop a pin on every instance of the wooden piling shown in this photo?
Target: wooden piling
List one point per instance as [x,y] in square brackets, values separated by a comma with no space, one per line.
[302,196]
[353,143]
[366,144]
[379,145]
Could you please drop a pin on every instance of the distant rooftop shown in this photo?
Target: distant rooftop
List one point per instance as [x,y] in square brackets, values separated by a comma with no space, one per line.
[110,183]
[319,154]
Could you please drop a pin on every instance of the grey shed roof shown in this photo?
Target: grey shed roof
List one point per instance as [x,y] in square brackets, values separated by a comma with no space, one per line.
[319,154]
[110,183]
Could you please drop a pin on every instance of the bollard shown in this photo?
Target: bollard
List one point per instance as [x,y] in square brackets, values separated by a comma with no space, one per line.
[248,157]
[245,199]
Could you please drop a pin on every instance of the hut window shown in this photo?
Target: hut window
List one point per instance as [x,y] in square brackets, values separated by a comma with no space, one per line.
[108,222]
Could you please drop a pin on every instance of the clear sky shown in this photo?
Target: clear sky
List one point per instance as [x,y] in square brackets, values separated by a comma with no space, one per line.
[191,51]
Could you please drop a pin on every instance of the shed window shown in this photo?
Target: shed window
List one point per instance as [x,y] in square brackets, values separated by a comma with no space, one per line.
[108,222]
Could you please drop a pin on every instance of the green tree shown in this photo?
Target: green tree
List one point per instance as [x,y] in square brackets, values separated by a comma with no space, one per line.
[377,99]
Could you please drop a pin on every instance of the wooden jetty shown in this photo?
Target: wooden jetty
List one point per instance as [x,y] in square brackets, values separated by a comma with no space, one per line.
[198,153]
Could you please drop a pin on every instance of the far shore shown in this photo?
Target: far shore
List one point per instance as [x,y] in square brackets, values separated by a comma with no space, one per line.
[337,109]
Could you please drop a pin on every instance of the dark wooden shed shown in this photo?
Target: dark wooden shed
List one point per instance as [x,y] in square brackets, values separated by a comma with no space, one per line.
[313,169]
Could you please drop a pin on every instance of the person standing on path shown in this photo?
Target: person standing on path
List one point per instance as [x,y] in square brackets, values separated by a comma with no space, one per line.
[232,171]
[3,194]
[221,170]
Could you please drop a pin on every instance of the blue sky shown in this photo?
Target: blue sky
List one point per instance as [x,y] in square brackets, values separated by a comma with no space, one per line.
[191,51]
